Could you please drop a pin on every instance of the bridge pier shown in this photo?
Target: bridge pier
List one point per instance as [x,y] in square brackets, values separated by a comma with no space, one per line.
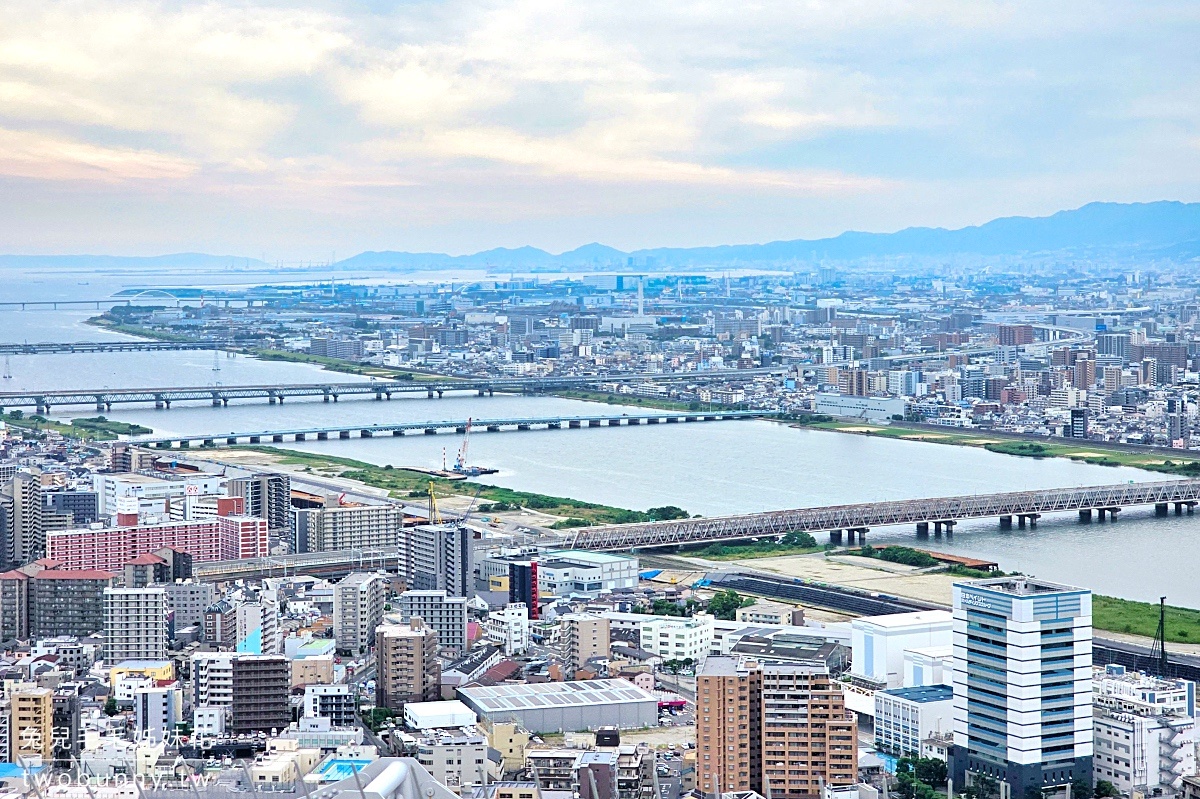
[429,394]
[1005,522]
[481,392]
[493,428]
[322,436]
[850,536]
[158,404]
[439,393]
[397,433]
[1160,509]
[271,399]
[573,425]
[378,396]
[835,537]
[364,434]
[1179,508]
[1085,515]
[99,406]
[430,431]
[277,439]
[1112,513]
[255,439]
[922,529]
[343,434]
[1032,518]
[325,398]
[594,422]
[208,442]
[216,403]
[522,427]
[299,437]
[231,440]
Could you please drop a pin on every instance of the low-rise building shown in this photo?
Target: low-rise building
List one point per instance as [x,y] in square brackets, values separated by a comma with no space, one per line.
[905,717]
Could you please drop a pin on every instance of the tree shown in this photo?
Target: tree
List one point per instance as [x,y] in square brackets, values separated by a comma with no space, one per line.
[110,707]
[797,538]
[1104,789]
[930,771]
[725,604]
[1082,789]
[666,513]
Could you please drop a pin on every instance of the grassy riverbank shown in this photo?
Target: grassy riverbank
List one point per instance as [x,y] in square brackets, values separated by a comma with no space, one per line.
[1177,462]
[108,323]
[94,429]
[1141,618]
[409,484]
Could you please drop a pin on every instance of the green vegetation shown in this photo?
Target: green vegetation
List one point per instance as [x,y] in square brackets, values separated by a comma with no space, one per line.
[1141,618]
[412,484]
[1026,449]
[920,777]
[725,604]
[674,666]
[376,718]
[101,425]
[344,366]
[906,556]
[668,607]
[113,323]
[794,543]
[628,399]
[1097,453]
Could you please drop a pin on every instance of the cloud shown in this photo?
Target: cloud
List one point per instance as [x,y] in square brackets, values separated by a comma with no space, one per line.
[450,109]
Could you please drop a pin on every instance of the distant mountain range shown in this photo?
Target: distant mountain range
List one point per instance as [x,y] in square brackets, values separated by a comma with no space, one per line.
[1159,229]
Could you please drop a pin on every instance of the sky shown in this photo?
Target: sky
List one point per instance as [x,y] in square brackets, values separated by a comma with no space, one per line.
[310,130]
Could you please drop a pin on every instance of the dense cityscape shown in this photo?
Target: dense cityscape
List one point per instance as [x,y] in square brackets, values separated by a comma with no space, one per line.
[494,399]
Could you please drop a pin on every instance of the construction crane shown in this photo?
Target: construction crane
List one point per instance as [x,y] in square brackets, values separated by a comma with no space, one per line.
[435,516]
[460,462]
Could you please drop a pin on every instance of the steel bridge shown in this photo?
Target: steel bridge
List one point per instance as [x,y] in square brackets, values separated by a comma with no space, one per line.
[432,428]
[105,398]
[943,513]
[53,347]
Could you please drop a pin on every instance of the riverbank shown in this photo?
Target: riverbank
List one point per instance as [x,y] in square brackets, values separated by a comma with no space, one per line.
[1097,453]
[403,483]
[93,429]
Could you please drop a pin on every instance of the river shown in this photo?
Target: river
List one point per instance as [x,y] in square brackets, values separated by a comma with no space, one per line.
[718,468]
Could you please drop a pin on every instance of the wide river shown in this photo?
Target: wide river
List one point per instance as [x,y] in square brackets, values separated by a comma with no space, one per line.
[711,469]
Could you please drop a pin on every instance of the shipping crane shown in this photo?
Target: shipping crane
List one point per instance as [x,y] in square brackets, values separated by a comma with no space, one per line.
[460,462]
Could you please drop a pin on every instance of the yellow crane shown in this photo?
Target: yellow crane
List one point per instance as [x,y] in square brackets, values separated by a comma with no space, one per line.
[435,516]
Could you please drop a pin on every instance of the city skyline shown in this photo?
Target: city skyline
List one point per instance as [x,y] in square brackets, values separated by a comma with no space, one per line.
[288,128]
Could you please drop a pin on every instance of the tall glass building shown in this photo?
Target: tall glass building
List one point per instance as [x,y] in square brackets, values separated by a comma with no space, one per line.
[1022,685]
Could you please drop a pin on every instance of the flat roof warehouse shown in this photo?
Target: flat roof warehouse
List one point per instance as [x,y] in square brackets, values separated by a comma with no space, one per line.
[575,705]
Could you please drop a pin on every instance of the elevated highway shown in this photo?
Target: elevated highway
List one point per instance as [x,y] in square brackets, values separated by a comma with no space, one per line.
[333,433]
[942,512]
[133,345]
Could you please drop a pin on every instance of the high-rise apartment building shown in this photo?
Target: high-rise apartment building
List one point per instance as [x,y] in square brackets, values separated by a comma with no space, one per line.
[135,624]
[1022,684]
[220,538]
[253,689]
[809,739]
[347,527]
[25,537]
[187,600]
[357,610]
[441,559]
[583,637]
[267,496]
[444,614]
[406,664]
[780,729]
[65,602]
[261,685]
[728,726]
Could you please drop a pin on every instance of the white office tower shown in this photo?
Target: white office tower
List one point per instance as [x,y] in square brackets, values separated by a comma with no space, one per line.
[1145,731]
[1022,685]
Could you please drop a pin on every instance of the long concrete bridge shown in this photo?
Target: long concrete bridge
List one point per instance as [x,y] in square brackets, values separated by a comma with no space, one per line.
[135,345]
[432,428]
[104,398]
[325,564]
[941,513]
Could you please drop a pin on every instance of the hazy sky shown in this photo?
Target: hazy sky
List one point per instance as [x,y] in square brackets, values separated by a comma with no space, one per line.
[297,129]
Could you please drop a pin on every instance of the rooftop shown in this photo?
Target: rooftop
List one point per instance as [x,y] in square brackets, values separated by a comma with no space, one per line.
[924,693]
[918,618]
[1022,586]
[575,693]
